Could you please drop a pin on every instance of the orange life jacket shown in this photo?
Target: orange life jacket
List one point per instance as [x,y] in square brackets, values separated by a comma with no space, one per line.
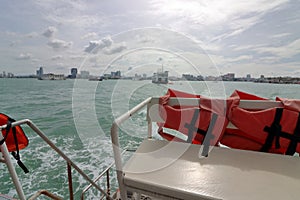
[14,138]
[201,124]
[8,134]
[275,130]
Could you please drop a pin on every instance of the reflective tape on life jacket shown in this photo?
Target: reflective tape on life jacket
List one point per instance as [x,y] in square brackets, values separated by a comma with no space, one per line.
[14,138]
[275,130]
[201,124]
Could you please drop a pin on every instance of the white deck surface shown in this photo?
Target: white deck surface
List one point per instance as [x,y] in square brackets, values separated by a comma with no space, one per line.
[175,170]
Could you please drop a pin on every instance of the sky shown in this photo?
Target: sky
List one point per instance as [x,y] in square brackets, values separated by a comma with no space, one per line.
[193,36]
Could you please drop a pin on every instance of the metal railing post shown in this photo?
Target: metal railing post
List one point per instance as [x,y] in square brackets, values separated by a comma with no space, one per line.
[116,144]
[70,181]
[107,183]
[11,169]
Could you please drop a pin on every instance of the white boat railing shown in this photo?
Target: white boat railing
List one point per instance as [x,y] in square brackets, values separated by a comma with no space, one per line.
[70,165]
[116,143]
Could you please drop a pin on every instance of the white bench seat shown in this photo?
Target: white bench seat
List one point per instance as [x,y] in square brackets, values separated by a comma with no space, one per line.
[173,170]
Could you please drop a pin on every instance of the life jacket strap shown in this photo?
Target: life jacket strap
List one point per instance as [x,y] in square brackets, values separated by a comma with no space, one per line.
[19,162]
[274,132]
[293,144]
[209,135]
[8,127]
[191,127]
[16,154]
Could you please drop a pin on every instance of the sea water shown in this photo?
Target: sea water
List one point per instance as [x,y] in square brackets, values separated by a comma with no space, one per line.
[76,115]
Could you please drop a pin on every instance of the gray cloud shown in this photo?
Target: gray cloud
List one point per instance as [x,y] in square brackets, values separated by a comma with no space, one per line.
[106,44]
[281,35]
[58,57]
[57,44]
[89,35]
[13,43]
[49,32]
[116,48]
[24,56]
[284,51]
[32,35]
[95,46]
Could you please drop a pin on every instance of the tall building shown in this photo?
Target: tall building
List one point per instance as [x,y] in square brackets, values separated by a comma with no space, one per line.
[228,77]
[40,72]
[74,72]
[160,77]
[10,75]
[248,77]
[115,75]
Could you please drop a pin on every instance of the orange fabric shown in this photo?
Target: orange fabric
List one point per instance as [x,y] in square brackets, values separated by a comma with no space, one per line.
[290,104]
[245,96]
[250,134]
[10,142]
[179,117]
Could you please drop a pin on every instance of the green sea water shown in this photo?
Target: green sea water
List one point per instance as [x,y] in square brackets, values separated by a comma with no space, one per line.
[77,115]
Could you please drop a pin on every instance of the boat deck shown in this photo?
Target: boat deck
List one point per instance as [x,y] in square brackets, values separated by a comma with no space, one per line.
[174,170]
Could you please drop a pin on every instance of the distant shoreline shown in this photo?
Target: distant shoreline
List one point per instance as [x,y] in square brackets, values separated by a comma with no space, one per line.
[271,80]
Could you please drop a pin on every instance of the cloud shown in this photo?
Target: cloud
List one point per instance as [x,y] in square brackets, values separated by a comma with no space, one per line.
[32,35]
[24,56]
[116,48]
[80,21]
[210,47]
[57,44]
[240,58]
[213,16]
[95,46]
[14,43]
[77,57]
[58,57]
[10,33]
[49,32]
[213,12]
[74,14]
[238,26]
[259,32]
[106,45]
[281,35]
[89,35]
[285,51]
[144,39]
[246,47]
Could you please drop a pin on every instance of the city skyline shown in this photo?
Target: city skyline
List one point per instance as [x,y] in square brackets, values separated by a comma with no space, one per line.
[255,37]
[74,73]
